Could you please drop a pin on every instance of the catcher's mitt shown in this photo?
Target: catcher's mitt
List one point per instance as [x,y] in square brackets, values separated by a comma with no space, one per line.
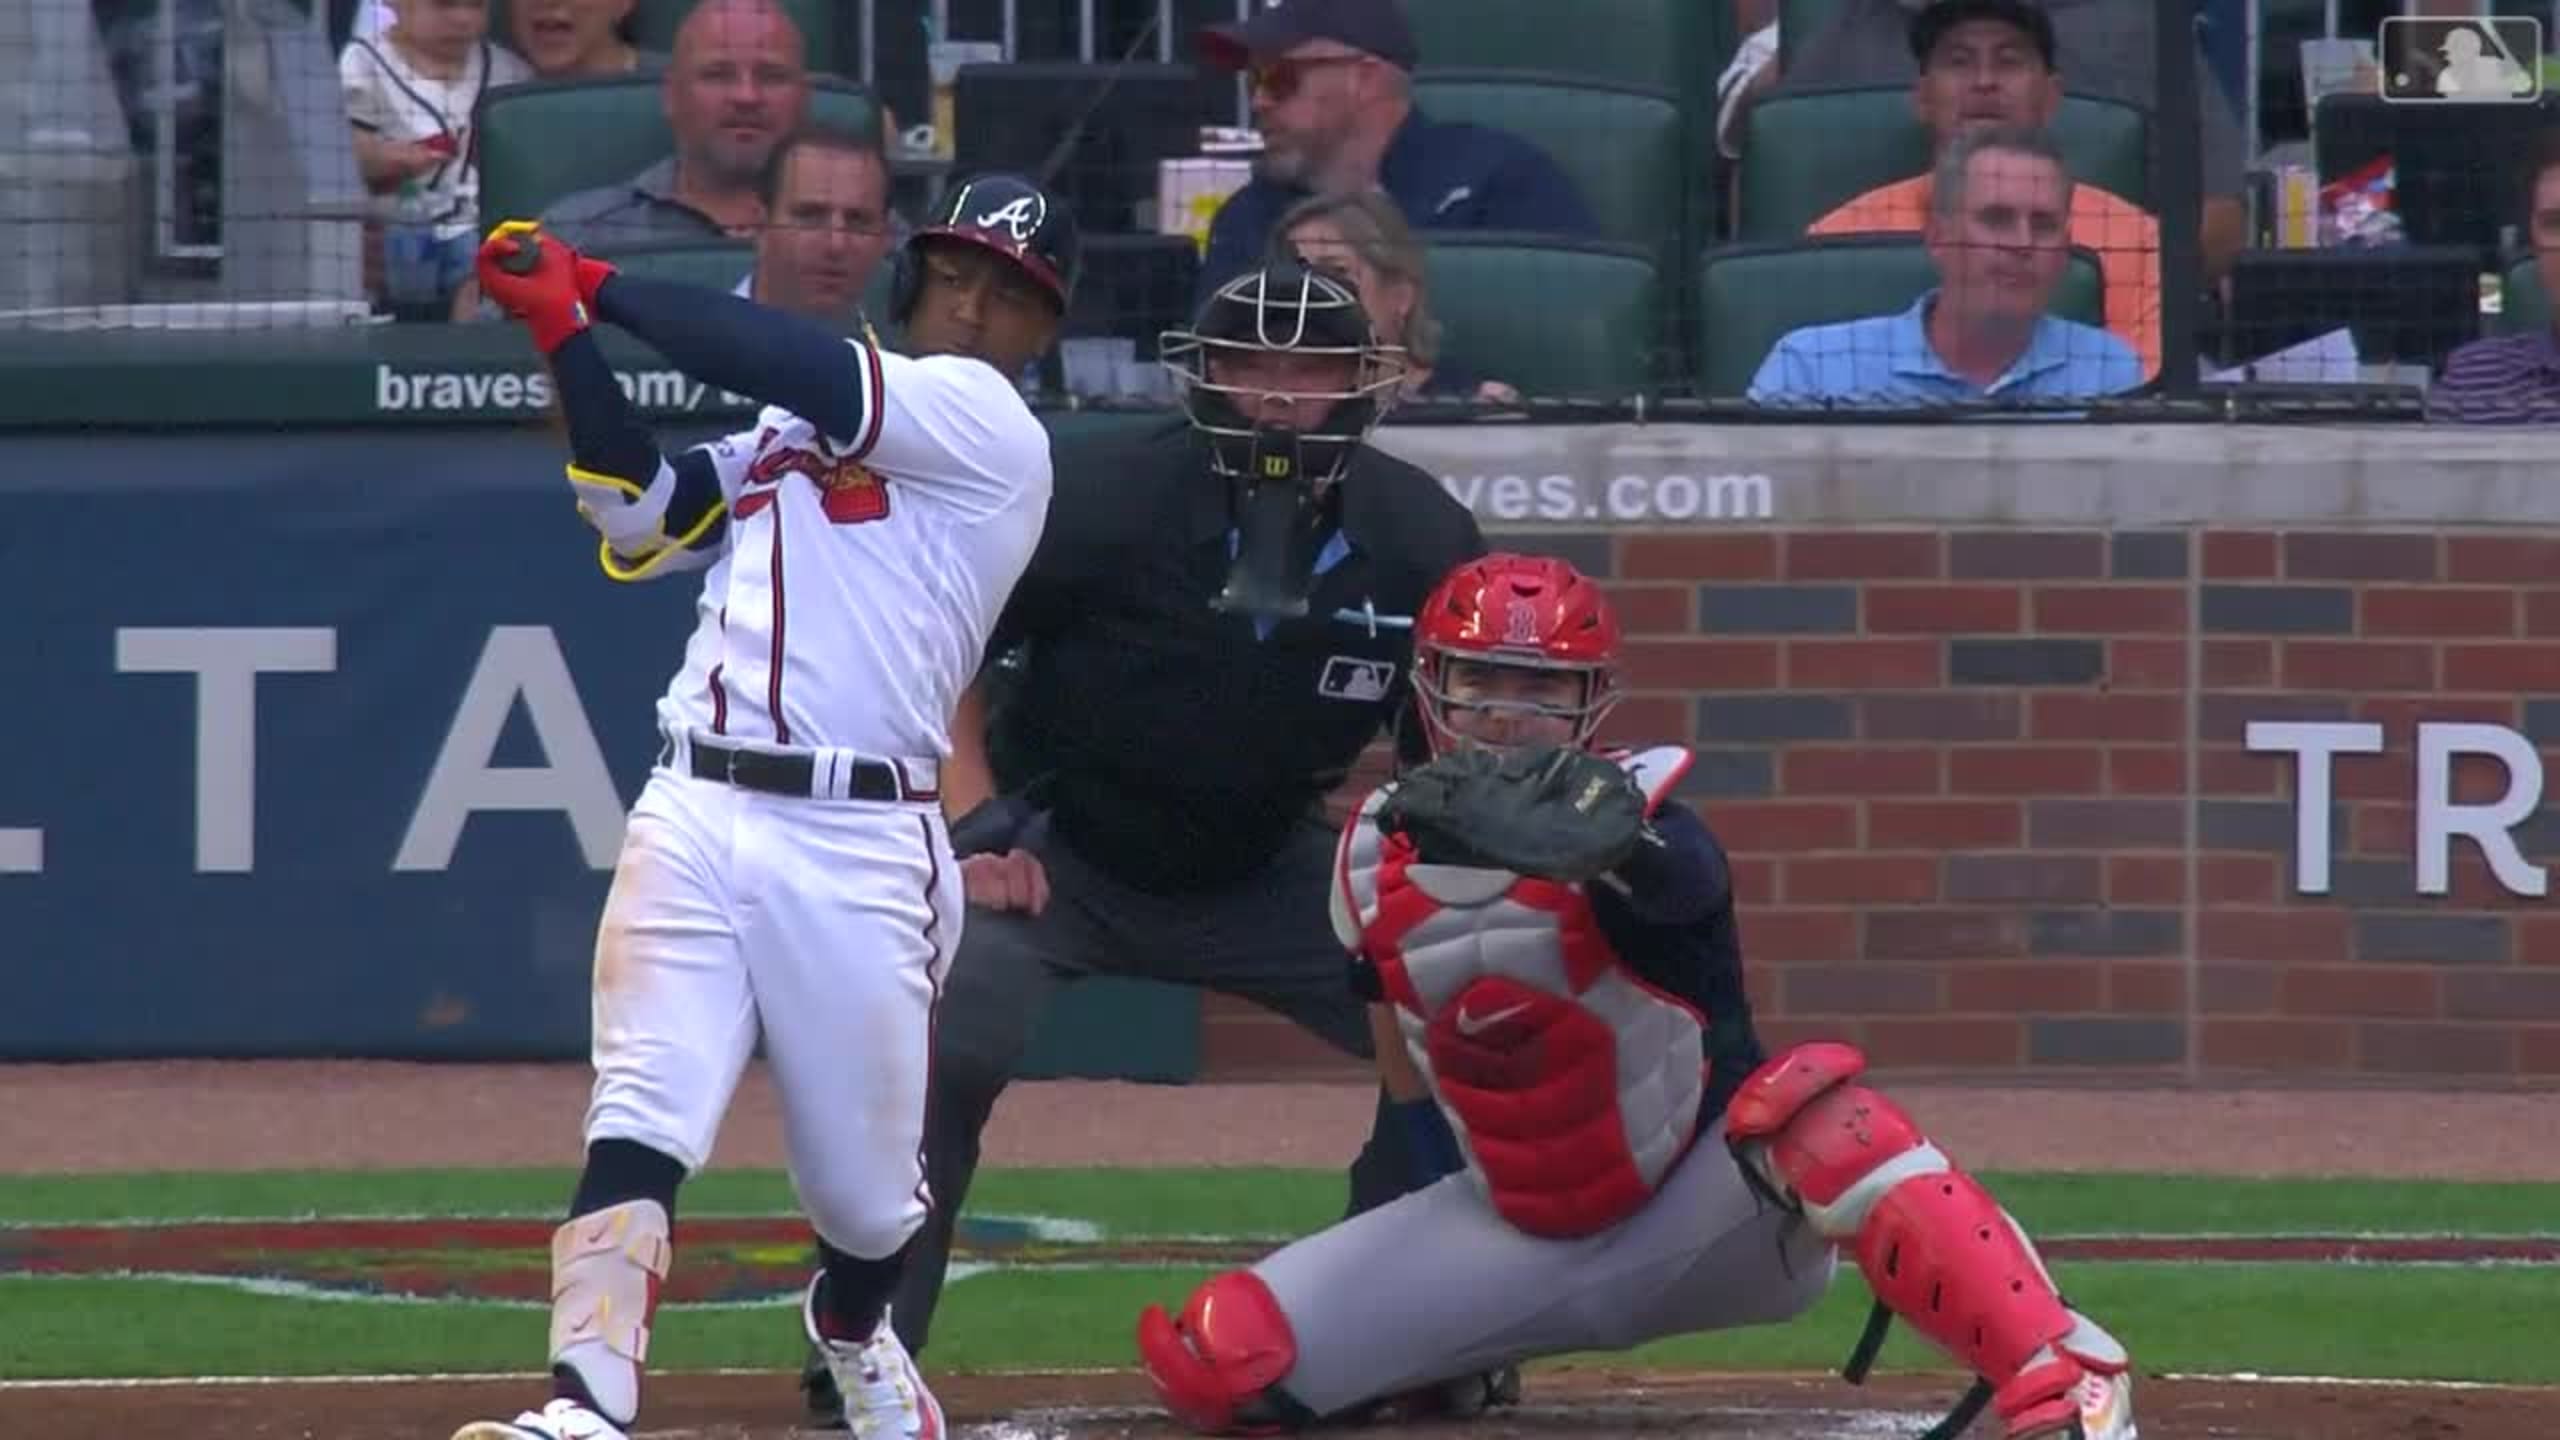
[1557,813]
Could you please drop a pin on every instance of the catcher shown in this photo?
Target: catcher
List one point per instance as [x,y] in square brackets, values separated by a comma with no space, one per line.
[1548,943]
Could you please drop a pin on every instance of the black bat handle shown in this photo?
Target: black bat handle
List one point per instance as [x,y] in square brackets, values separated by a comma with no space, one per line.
[524,252]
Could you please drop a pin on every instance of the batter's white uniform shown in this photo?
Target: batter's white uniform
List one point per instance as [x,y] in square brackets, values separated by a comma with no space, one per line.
[848,606]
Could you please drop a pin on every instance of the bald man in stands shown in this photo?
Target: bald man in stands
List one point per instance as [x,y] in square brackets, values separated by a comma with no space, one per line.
[737,84]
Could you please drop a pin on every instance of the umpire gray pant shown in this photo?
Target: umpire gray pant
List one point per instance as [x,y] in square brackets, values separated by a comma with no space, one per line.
[1268,939]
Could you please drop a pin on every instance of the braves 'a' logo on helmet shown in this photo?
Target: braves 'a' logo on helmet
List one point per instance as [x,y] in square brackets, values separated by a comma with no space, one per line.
[1008,214]
[1020,217]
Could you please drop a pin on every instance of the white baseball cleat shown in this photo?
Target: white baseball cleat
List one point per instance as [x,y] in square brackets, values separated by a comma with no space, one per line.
[559,1420]
[885,1397]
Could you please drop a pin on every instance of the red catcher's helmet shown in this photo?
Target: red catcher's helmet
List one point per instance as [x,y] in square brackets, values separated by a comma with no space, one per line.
[1532,612]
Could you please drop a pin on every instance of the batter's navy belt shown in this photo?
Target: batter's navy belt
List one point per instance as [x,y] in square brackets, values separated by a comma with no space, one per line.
[827,774]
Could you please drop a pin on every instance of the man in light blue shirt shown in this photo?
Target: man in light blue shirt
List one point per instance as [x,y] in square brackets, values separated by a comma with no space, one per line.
[1999,234]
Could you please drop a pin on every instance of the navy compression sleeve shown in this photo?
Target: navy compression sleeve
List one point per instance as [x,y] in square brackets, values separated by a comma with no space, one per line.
[749,349]
[605,434]
[1679,875]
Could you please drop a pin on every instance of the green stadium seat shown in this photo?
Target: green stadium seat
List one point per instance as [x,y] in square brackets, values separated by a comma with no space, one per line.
[2522,306]
[719,265]
[1656,44]
[1805,154]
[1751,295]
[1674,48]
[548,138]
[1623,146]
[1551,316]
[654,24]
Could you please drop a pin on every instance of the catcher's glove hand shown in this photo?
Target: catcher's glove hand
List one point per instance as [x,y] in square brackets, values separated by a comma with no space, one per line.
[1556,813]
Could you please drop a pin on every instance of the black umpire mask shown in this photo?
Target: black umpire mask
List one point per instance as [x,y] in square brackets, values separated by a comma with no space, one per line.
[1280,527]
[1280,480]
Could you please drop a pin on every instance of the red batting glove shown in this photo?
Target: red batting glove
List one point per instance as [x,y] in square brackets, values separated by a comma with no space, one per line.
[540,281]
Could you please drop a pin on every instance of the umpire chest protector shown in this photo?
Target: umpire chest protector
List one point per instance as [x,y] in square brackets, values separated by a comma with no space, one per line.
[1574,1087]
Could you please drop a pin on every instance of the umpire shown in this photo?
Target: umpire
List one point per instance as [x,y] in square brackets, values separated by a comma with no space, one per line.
[1218,621]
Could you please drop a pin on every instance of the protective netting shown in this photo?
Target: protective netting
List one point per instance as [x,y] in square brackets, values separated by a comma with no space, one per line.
[1816,204]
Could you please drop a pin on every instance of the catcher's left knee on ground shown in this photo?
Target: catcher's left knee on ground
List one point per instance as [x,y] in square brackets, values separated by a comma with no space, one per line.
[1934,1246]
[606,1270]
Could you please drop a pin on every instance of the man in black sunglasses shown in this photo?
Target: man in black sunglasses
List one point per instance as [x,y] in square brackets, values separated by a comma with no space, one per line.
[1332,88]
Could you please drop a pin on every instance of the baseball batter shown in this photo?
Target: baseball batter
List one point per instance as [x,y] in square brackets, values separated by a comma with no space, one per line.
[786,876]
[1550,942]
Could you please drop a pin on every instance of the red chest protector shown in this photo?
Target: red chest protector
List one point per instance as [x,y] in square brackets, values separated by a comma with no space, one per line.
[1574,1087]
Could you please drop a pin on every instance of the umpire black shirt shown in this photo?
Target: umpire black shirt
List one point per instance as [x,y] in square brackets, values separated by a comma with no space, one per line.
[1178,748]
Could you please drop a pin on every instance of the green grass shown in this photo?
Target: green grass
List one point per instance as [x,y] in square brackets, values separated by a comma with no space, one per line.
[1278,1202]
[2380,1321]
[2487,1325]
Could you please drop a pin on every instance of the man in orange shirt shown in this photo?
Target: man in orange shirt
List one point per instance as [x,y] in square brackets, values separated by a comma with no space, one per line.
[1991,62]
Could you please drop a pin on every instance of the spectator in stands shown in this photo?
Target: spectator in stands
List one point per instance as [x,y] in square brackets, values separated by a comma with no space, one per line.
[738,83]
[1987,63]
[827,225]
[2515,379]
[2105,49]
[1332,88]
[410,97]
[1998,233]
[578,39]
[1361,239]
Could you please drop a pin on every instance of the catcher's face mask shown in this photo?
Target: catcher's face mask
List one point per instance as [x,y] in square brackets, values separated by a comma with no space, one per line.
[1502,705]
[1279,372]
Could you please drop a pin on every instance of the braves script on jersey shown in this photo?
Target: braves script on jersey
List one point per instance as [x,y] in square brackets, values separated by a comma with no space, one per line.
[850,602]
[862,577]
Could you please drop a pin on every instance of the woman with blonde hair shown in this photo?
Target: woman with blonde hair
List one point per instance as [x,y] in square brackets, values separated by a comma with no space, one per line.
[1362,239]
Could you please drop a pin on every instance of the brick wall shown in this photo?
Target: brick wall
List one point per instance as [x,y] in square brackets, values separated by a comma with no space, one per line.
[1992,811]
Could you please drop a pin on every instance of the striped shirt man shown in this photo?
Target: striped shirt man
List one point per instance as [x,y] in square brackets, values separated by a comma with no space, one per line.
[2501,380]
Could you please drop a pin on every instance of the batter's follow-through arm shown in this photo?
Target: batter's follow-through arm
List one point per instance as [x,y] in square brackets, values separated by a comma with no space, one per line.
[768,355]
[655,516]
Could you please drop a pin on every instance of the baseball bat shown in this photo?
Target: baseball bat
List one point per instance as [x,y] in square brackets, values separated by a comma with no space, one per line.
[523,253]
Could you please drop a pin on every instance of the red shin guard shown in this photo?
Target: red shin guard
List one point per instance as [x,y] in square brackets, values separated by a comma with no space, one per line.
[1934,1246]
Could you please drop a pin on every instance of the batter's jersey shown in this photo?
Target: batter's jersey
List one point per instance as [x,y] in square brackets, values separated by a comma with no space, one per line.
[860,578]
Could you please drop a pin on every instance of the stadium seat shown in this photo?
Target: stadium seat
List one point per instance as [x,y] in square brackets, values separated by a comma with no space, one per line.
[1551,316]
[1673,48]
[1805,154]
[654,24]
[1655,44]
[1622,145]
[2522,307]
[542,140]
[719,265]
[1751,295]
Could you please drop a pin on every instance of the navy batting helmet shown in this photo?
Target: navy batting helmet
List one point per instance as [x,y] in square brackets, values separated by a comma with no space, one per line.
[1006,213]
